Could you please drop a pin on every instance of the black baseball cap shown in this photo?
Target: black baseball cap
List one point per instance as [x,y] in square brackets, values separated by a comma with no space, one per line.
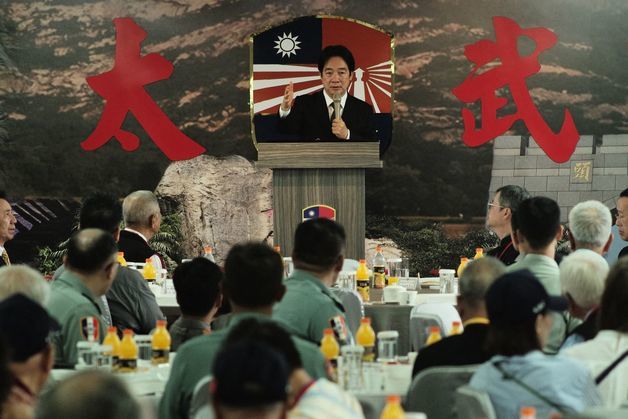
[518,297]
[25,326]
[250,374]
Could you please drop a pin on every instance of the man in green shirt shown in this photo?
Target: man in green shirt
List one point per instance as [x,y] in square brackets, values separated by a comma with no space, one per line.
[309,307]
[90,267]
[253,283]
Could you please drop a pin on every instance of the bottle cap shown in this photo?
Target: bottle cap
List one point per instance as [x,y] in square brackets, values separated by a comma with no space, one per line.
[479,249]
[463,258]
[208,249]
[112,329]
[456,323]
[148,260]
[128,332]
[362,261]
[434,329]
[277,248]
[527,411]
[378,248]
[328,331]
[393,398]
[365,320]
[161,323]
[121,254]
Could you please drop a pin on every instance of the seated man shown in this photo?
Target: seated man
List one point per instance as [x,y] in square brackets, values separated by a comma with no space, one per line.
[7,227]
[23,279]
[25,327]
[469,347]
[253,283]
[309,307]
[582,277]
[590,225]
[251,381]
[129,301]
[498,220]
[89,394]
[313,116]
[622,220]
[198,294]
[90,267]
[536,230]
[520,374]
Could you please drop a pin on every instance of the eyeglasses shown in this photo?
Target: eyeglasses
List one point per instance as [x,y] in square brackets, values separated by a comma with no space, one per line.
[490,204]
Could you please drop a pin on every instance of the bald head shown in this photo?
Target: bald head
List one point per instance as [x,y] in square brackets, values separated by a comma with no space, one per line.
[90,250]
[476,279]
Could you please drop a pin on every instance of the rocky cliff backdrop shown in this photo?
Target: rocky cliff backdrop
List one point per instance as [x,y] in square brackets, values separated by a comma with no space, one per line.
[48,48]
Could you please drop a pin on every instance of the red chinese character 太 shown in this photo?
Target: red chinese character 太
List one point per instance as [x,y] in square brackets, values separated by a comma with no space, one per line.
[512,72]
[123,90]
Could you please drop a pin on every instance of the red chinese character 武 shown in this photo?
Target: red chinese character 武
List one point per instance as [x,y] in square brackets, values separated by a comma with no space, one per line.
[512,73]
[123,90]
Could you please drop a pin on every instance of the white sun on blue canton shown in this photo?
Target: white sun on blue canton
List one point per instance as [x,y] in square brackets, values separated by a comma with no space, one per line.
[287,44]
[311,213]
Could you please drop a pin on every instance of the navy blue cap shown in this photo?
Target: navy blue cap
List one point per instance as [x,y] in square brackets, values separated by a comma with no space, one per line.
[518,297]
[250,374]
[25,326]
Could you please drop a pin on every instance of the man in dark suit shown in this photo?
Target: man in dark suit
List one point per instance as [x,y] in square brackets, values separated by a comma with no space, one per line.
[142,219]
[469,347]
[313,116]
[7,227]
[498,216]
[622,220]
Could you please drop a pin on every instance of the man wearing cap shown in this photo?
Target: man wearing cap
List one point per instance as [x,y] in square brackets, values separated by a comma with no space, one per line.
[25,327]
[469,347]
[90,267]
[520,374]
[309,307]
[498,220]
[253,283]
[7,227]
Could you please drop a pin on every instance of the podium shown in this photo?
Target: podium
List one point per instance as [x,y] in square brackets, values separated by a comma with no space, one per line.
[312,173]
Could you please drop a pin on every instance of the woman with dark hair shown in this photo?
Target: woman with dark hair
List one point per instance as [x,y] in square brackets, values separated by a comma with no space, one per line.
[606,355]
[520,375]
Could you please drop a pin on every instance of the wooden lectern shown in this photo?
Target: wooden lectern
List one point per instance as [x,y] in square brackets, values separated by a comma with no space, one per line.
[312,173]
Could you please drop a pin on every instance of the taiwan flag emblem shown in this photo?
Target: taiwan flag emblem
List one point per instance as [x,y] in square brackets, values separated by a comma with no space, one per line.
[319,211]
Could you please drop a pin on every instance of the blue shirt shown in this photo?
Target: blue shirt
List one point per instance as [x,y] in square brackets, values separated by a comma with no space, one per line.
[562,380]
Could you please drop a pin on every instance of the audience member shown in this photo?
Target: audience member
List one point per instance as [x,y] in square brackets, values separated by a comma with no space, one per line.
[250,381]
[253,283]
[197,284]
[520,374]
[142,219]
[6,379]
[89,394]
[498,220]
[535,231]
[582,277]
[469,347]
[7,227]
[622,219]
[308,398]
[605,355]
[309,307]
[130,302]
[25,327]
[25,280]
[590,227]
[90,266]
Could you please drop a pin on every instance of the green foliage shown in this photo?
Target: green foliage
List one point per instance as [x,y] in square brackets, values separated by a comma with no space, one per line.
[426,244]
[48,260]
[168,241]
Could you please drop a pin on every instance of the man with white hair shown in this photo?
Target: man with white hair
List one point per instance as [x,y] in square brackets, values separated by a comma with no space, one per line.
[23,279]
[582,279]
[590,227]
[142,219]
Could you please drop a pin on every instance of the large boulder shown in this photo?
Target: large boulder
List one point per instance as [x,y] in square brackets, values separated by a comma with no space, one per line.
[222,201]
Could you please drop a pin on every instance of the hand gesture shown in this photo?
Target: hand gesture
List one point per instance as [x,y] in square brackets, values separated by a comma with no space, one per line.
[288,98]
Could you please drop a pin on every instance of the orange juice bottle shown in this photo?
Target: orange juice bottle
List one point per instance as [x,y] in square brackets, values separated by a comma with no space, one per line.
[208,253]
[362,280]
[149,272]
[330,350]
[456,328]
[277,248]
[160,343]
[113,340]
[393,409]
[365,337]
[479,252]
[127,357]
[527,412]
[121,259]
[462,266]
[434,336]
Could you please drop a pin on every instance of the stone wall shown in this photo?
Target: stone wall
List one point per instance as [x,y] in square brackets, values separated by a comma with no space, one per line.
[598,169]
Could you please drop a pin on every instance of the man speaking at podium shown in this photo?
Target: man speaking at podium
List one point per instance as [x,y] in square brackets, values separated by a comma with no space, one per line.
[332,114]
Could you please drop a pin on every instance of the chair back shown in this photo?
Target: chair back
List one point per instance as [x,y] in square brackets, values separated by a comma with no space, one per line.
[433,390]
[201,399]
[600,413]
[354,309]
[473,404]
